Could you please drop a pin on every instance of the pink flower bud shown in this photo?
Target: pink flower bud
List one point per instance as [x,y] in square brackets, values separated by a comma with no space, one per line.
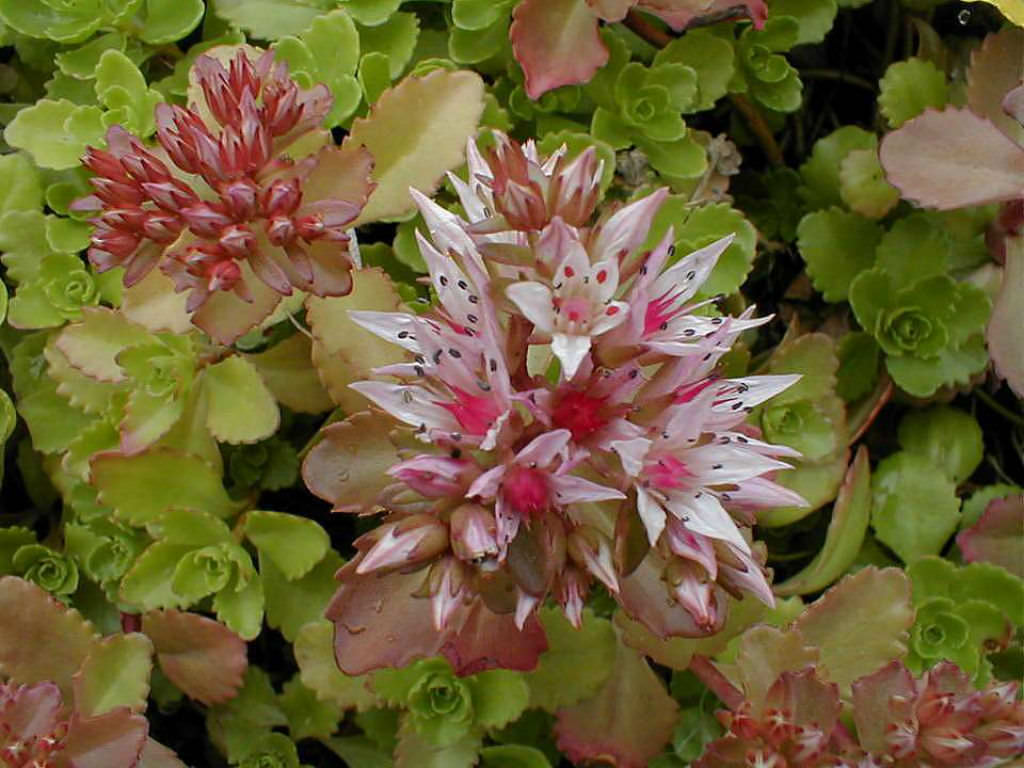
[413,540]
[592,550]
[473,533]
[694,590]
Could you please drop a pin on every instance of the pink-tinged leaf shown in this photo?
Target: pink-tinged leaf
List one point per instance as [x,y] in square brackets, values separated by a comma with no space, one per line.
[998,536]
[201,656]
[997,67]
[92,344]
[556,42]
[287,370]
[872,696]
[860,624]
[32,711]
[156,755]
[152,303]
[611,10]
[764,654]
[113,739]
[41,638]
[679,14]
[347,466]
[1005,334]
[953,159]
[626,723]
[225,316]
[491,641]
[114,675]
[378,623]
[341,173]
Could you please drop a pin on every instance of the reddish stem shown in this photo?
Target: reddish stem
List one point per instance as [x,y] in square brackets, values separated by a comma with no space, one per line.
[716,682]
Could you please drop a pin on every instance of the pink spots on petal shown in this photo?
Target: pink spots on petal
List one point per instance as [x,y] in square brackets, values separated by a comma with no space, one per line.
[526,490]
[612,311]
[570,272]
[576,309]
[602,275]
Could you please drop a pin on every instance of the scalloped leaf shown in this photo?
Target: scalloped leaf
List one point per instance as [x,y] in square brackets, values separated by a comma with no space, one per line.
[820,172]
[556,42]
[287,371]
[837,246]
[113,738]
[92,345]
[845,534]
[417,751]
[910,87]
[576,663]
[914,248]
[952,159]
[628,721]
[22,185]
[344,352]
[499,697]
[996,536]
[115,674]
[49,641]
[136,487]
[513,756]
[862,184]
[292,604]
[295,544]
[308,717]
[860,624]
[202,657]
[242,409]
[416,131]
[268,19]
[314,653]
[915,508]
[997,67]
[948,437]
[710,56]
[764,653]
[56,133]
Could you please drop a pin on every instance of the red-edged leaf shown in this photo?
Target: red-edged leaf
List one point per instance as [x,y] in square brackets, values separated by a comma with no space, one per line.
[626,723]
[156,755]
[114,738]
[378,623]
[225,317]
[491,641]
[1005,334]
[556,43]
[997,67]
[679,14]
[201,656]
[997,536]
[952,159]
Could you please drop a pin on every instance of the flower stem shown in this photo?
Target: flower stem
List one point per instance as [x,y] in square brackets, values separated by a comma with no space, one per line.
[999,408]
[760,128]
[716,682]
[645,30]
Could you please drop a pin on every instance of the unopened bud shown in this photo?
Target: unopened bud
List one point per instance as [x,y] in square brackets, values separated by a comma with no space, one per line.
[414,540]
[473,533]
[592,550]
[694,590]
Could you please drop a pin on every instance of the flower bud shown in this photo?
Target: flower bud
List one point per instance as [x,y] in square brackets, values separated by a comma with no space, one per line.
[411,541]
[473,533]
[694,590]
[592,550]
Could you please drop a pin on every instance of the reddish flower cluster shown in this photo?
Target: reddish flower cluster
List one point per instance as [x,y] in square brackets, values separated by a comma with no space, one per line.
[234,190]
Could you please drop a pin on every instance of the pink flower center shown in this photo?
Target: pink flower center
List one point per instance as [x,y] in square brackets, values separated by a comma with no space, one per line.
[580,413]
[576,309]
[668,472]
[660,311]
[526,490]
[474,414]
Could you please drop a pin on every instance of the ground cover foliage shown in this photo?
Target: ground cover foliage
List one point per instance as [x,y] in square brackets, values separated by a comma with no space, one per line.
[513,383]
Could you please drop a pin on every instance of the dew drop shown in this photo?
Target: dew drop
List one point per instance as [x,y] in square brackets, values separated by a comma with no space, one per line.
[964,17]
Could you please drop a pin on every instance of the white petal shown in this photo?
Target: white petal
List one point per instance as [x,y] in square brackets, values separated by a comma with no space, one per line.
[652,515]
[409,403]
[396,327]
[534,301]
[605,322]
[543,449]
[570,351]
[751,391]
[628,227]
[486,486]
[692,271]
[631,453]
[570,489]
[702,513]
[474,207]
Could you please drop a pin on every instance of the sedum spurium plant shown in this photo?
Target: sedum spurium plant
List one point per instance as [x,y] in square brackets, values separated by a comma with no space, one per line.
[659,362]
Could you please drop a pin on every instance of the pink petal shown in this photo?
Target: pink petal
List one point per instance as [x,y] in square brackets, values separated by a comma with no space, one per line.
[534,301]
[570,489]
[628,227]
[953,159]
[556,42]
[545,448]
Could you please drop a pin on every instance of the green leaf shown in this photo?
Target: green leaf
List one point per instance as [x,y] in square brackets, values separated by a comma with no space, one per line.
[512,756]
[122,88]
[858,365]
[21,235]
[22,185]
[137,487]
[474,15]
[147,585]
[974,505]
[576,663]
[308,716]
[66,22]
[682,159]
[915,506]
[862,184]
[115,674]
[821,172]
[815,17]
[314,653]
[164,21]
[910,87]
[238,724]
[922,378]
[846,530]
[499,697]
[295,544]
[396,38]
[359,751]
[11,540]
[292,604]
[268,19]
[56,133]
[710,56]
[240,607]
[914,249]
[242,410]
[374,75]
[371,12]
[415,750]
[948,437]
[416,131]
[837,246]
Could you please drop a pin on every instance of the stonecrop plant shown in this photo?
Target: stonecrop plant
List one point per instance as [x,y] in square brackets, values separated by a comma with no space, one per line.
[511,383]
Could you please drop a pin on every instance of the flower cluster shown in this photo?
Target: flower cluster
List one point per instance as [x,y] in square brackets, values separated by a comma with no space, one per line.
[237,203]
[572,424]
[939,719]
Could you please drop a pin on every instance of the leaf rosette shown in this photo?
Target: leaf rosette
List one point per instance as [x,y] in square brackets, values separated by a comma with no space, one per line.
[51,570]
